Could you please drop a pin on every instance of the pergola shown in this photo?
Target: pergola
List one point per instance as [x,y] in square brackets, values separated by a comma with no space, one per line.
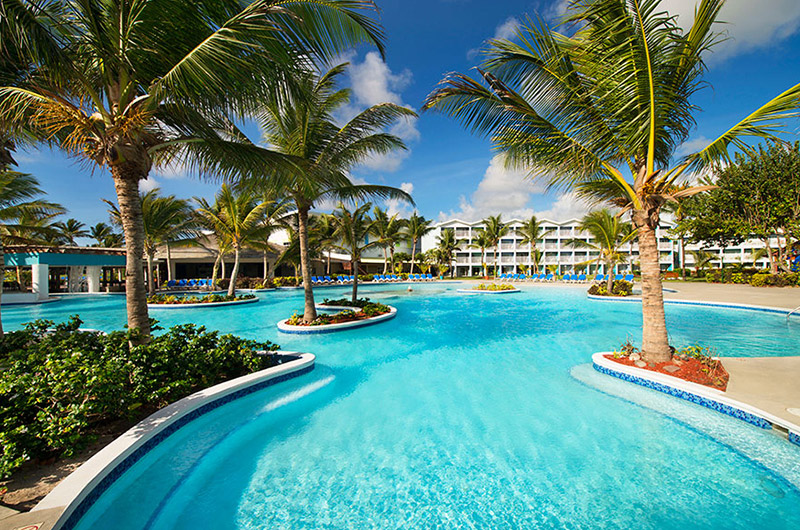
[88,261]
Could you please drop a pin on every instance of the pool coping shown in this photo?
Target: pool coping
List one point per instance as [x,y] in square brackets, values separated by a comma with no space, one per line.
[283,327]
[204,304]
[678,301]
[81,488]
[486,291]
[699,394]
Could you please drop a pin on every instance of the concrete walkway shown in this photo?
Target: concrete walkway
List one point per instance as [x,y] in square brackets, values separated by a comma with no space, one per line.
[782,297]
[770,383]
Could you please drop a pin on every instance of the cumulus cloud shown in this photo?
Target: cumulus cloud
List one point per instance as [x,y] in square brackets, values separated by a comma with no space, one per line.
[150,183]
[396,206]
[692,145]
[501,191]
[566,206]
[505,30]
[175,170]
[372,83]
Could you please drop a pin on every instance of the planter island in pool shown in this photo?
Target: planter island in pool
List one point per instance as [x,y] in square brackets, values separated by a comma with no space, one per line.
[202,304]
[329,328]
[486,291]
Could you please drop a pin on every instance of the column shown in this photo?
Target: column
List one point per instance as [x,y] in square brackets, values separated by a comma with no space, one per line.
[93,278]
[40,280]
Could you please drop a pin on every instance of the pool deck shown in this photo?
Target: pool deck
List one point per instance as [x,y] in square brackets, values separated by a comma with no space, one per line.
[767,383]
[781,297]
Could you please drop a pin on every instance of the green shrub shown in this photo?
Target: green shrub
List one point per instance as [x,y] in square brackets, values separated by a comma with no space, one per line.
[618,288]
[714,276]
[287,281]
[58,384]
[738,277]
[764,279]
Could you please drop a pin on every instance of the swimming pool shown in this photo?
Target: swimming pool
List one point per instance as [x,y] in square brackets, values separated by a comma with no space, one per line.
[462,412]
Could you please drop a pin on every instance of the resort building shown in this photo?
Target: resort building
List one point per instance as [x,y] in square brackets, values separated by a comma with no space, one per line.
[557,254]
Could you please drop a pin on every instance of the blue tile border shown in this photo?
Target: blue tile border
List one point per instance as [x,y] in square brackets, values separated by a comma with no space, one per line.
[794,438]
[688,396]
[162,435]
[701,303]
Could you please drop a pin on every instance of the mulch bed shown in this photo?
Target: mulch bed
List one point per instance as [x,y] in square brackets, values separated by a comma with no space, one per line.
[339,318]
[691,370]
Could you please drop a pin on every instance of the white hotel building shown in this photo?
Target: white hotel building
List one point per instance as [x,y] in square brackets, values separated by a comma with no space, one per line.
[556,252]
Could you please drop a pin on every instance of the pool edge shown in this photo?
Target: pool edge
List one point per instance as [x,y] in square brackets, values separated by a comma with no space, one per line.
[81,488]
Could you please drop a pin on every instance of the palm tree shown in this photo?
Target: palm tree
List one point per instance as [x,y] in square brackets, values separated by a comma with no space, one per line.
[609,234]
[300,124]
[237,215]
[531,232]
[702,259]
[166,219]
[352,231]
[389,231]
[325,231]
[105,236]
[446,245]
[276,215]
[616,94]
[69,230]
[496,230]
[416,228]
[19,202]
[482,241]
[132,84]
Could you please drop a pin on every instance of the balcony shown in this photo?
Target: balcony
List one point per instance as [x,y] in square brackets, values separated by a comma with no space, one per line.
[507,246]
[506,259]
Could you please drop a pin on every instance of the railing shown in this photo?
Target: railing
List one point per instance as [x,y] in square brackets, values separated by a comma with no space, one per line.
[792,312]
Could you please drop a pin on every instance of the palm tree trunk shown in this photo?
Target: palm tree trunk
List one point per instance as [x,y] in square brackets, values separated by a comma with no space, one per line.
[773,265]
[266,267]
[655,341]
[354,264]
[234,272]
[150,284]
[391,257]
[310,311]
[495,262]
[222,262]
[609,278]
[215,270]
[683,259]
[413,254]
[385,260]
[169,264]
[328,266]
[126,181]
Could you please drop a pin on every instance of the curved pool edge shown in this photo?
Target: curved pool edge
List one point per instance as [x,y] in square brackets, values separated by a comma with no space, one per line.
[701,395]
[283,327]
[81,488]
[203,304]
[478,291]
[702,303]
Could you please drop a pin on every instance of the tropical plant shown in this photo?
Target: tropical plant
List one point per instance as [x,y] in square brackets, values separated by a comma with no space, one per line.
[237,216]
[482,241]
[609,234]
[389,231]
[446,245]
[352,231]
[616,93]
[531,232]
[416,228]
[276,217]
[300,125]
[136,83]
[69,230]
[326,237]
[702,259]
[165,219]
[19,200]
[105,236]
[495,229]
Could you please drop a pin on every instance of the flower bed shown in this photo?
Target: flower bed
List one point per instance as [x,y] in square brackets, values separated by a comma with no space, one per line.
[365,310]
[491,288]
[618,288]
[168,299]
[694,364]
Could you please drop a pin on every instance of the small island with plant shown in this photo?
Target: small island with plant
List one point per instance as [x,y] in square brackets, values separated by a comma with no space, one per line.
[491,288]
[618,288]
[354,313]
[695,364]
[205,300]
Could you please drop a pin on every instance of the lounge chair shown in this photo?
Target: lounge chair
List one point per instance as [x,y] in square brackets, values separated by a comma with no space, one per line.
[599,278]
[629,277]
[429,277]
[172,283]
[549,278]
[618,277]
[573,278]
[328,279]
[582,278]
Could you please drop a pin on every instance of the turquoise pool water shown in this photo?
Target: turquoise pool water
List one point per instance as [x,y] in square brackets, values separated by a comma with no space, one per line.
[462,412]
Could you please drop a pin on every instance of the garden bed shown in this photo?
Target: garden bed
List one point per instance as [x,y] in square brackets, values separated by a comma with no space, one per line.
[695,368]
[352,315]
[211,300]
[491,288]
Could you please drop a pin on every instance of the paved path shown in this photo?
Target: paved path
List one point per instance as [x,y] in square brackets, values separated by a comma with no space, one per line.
[769,383]
[783,297]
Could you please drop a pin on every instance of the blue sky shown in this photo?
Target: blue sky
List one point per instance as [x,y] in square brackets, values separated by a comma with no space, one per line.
[449,171]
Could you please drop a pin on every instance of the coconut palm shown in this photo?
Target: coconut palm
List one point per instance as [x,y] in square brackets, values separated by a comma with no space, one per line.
[616,94]
[446,245]
[20,205]
[105,236]
[496,230]
[276,216]
[353,228]
[531,232]
[325,233]
[609,234]
[416,228]
[136,83]
[69,230]
[703,259]
[300,124]
[482,241]
[166,219]
[237,215]
[389,231]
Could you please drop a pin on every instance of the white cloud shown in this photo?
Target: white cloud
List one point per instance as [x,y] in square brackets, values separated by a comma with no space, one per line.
[567,206]
[396,206]
[501,191]
[148,184]
[174,170]
[505,30]
[373,82]
[692,145]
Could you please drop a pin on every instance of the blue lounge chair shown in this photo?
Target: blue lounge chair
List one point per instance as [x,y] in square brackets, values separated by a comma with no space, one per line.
[582,278]
[522,277]
[629,277]
[172,283]
[599,278]
[565,278]
[413,277]
[618,277]
[549,278]
[573,278]
[429,277]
